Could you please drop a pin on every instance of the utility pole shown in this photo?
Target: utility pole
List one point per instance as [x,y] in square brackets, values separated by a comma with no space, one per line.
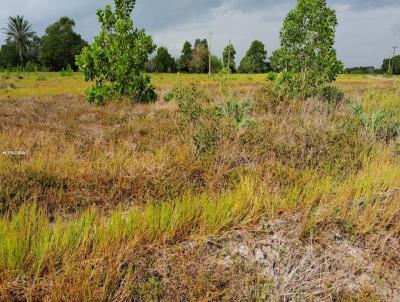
[209,57]
[391,61]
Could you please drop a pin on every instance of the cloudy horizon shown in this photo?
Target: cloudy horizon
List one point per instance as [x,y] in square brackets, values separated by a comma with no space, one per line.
[367,29]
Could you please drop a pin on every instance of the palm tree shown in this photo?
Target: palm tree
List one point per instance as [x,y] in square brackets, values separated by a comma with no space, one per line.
[19,31]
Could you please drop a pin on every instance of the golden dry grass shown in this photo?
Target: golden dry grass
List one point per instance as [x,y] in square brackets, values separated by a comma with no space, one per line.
[103,192]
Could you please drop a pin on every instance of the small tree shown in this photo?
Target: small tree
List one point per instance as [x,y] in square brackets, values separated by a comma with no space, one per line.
[163,62]
[186,57]
[255,60]
[117,59]
[307,53]
[200,57]
[229,58]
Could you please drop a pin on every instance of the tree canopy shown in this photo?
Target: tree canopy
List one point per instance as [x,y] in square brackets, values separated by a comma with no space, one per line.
[228,57]
[307,55]
[19,32]
[394,65]
[163,62]
[255,60]
[185,58]
[61,45]
[117,59]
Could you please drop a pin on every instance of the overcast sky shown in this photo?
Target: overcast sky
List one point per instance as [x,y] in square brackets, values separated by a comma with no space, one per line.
[367,30]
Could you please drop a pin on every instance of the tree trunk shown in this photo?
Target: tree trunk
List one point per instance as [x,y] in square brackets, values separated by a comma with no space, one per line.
[21,58]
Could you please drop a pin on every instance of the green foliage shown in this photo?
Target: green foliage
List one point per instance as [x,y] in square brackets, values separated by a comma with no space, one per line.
[331,94]
[8,56]
[205,140]
[68,72]
[382,124]
[163,62]
[239,112]
[255,60]
[216,64]
[394,65]
[188,99]
[61,45]
[186,57]
[223,77]
[19,33]
[200,53]
[266,99]
[117,58]
[307,55]
[271,76]
[229,58]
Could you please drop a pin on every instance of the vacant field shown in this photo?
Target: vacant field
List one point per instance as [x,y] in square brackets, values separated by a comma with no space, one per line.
[219,191]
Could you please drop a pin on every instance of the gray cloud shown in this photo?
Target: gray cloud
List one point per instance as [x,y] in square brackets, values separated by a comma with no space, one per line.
[367,27]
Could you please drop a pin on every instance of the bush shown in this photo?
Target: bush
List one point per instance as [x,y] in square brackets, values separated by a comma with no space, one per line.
[331,94]
[188,99]
[68,72]
[266,99]
[117,59]
[271,76]
[239,113]
[383,125]
[205,140]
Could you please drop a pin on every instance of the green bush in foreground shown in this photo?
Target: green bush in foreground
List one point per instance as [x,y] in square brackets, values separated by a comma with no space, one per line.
[116,61]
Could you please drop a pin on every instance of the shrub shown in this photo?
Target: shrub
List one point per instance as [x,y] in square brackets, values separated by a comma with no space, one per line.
[68,72]
[266,99]
[271,76]
[331,94]
[205,140]
[239,112]
[383,125]
[188,99]
[117,59]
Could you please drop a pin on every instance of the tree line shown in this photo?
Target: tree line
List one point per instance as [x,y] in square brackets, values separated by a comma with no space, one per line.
[58,47]
[54,51]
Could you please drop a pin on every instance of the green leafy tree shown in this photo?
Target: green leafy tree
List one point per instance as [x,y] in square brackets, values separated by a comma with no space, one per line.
[255,60]
[216,64]
[19,31]
[33,50]
[201,43]
[228,58]
[275,62]
[117,59]
[185,58]
[307,53]
[200,59]
[163,62]
[61,45]
[394,64]
[8,55]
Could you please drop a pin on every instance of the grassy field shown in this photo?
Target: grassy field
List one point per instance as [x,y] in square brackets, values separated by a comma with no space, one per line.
[219,191]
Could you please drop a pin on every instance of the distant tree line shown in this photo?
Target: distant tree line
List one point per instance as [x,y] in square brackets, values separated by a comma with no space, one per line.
[195,59]
[58,47]
[54,51]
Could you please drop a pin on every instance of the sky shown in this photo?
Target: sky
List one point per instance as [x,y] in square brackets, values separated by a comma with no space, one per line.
[367,28]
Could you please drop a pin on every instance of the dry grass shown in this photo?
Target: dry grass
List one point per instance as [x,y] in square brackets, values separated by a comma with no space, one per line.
[99,205]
